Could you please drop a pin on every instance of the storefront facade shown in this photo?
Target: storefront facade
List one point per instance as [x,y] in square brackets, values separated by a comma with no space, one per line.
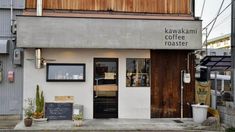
[132,102]
[115,67]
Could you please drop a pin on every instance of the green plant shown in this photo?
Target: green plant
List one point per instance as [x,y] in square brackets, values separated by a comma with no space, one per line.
[42,102]
[29,108]
[230,129]
[77,117]
[39,101]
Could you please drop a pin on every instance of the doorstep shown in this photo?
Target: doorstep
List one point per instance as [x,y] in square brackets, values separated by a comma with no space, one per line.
[160,124]
[8,121]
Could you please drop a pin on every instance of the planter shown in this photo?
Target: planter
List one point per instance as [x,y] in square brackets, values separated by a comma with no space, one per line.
[28,122]
[199,113]
[38,115]
[40,120]
[77,123]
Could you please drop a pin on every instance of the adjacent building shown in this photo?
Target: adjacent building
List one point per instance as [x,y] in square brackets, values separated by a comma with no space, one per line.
[119,58]
[221,42]
[11,72]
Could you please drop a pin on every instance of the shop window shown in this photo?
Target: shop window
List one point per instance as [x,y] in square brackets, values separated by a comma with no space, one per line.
[137,72]
[65,72]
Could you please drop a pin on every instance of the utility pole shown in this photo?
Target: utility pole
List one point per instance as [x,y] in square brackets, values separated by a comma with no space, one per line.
[233,48]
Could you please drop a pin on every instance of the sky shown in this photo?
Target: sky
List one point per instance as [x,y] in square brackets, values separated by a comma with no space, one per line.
[211,8]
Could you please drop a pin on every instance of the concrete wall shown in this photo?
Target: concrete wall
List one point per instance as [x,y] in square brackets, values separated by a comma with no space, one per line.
[133,102]
[227,115]
[59,32]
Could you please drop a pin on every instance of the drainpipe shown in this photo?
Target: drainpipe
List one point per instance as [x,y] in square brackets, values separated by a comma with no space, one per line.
[193,8]
[39,7]
[11,13]
[38,54]
[182,94]
[11,18]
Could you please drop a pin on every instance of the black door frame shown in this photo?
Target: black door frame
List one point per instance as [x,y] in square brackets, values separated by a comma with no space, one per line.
[117,73]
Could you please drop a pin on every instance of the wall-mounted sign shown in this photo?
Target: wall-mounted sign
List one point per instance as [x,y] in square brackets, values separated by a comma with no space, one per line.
[179,37]
[108,33]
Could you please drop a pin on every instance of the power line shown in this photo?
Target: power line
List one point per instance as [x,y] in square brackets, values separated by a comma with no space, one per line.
[222,3]
[223,21]
[203,8]
[215,17]
[214,21]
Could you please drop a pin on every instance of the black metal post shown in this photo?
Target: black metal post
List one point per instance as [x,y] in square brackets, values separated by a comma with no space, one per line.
[216,88]
[233,48]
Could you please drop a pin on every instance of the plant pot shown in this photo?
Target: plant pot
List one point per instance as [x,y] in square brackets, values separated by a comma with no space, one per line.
[28,122]
[38,115]
[77,123]
[40,120]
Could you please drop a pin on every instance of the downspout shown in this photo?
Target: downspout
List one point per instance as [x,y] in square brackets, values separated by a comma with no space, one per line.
[11,13]
[39,7]
[38,54]
[191,5]
[12,28]
[182,94]
[193,8]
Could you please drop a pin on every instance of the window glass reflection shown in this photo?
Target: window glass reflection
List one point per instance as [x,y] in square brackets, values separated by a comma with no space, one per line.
[137,72]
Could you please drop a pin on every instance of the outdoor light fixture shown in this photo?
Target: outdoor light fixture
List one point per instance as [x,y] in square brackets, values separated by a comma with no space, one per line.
[38,58]
[39,61]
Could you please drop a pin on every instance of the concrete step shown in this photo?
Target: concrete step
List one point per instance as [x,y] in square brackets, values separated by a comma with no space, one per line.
[8,121]
[8,124]
[9,117]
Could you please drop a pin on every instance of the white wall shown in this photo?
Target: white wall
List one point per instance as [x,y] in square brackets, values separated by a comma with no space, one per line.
[133,102]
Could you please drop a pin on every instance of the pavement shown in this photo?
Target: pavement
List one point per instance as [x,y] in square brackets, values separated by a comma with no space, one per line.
[102,125]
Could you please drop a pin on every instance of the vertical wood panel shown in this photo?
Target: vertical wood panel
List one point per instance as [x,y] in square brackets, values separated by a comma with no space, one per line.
[145,6]
[165,84]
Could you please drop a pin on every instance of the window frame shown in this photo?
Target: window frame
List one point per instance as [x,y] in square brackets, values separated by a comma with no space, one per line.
[83,65]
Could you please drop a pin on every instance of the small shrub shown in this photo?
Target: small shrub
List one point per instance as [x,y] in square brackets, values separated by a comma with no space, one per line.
[230,130]
[77,117]
[29,108]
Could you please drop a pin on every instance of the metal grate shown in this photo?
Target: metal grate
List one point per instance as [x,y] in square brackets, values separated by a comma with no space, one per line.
[178,121]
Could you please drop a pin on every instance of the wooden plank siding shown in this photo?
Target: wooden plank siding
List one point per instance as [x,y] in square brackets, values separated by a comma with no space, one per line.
[141,6]
[165,83]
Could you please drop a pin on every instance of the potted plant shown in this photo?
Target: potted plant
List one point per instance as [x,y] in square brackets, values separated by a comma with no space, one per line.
[78,119]
[28,110]
[39,104]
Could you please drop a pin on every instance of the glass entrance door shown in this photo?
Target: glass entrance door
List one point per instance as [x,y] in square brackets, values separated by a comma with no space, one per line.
[105,88]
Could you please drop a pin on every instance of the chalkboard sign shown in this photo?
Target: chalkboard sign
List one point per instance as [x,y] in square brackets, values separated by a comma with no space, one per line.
[58,111]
